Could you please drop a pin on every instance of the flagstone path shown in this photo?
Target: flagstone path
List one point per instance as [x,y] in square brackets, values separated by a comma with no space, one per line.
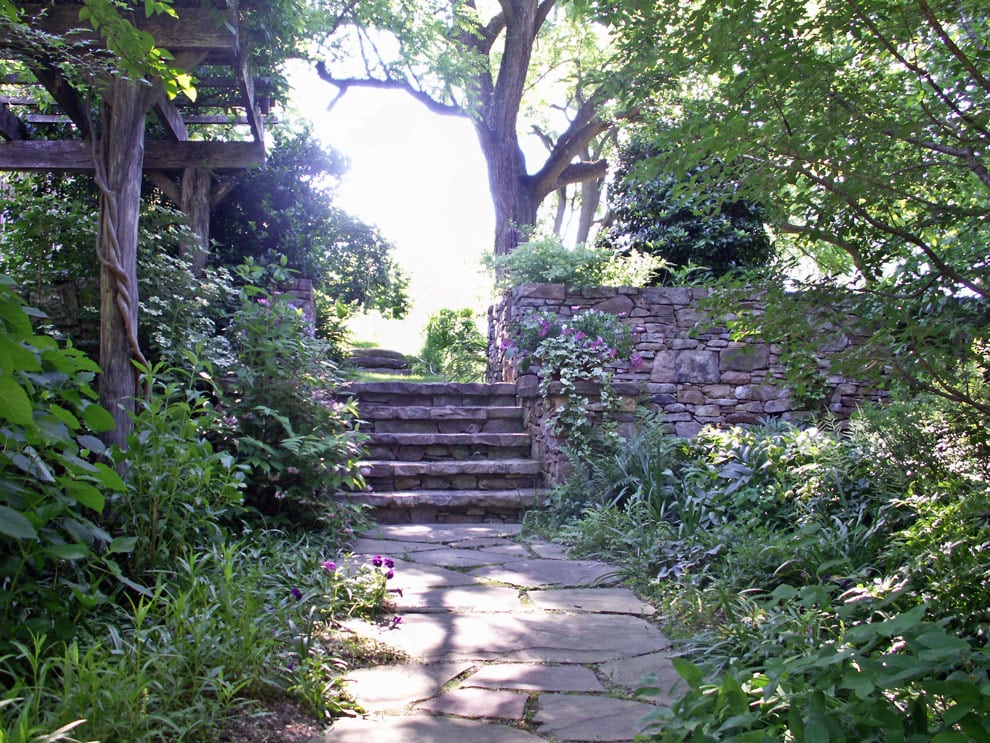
[507,641]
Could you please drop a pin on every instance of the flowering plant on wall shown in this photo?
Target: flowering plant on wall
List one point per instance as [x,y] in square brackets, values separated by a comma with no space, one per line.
[564,352]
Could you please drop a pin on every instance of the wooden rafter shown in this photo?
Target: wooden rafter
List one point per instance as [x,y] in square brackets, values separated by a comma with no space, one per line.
[75,155]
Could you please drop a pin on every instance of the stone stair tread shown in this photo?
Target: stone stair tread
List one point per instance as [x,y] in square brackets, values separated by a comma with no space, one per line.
[444,467]
[435,388]
[521,497]
[447,412]
[451,439]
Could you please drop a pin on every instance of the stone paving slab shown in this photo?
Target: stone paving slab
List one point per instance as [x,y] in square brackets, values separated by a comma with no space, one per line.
[391,547]
[477,704]
[549,551]
[441,532]
[547,638]
[460,558]
[415,576]
[604,600]
[397,687]
[584,717]
[422,729]
[631,673]
[534,678]
[458,599]
[538,572]
[557,642]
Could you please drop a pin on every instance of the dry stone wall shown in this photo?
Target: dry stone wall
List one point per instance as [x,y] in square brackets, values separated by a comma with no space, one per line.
[688,367]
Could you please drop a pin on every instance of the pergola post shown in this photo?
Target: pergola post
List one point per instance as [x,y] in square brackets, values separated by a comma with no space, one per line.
[119,155]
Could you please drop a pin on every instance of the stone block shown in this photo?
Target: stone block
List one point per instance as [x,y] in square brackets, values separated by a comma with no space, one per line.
[778,406]
[615,305]
[555,292]
[685,367]
[691,396]
[687,429]
[745,358]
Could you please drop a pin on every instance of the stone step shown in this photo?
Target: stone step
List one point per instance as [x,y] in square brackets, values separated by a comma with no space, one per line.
[469,474]
[450,506]
[434,394]
[459,446]
[447,419]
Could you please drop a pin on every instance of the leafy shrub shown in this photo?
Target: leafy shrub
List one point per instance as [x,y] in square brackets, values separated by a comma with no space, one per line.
[565,354]
[279,413]
[824,582]
[54,553]
[233,622]
[548,261]
[179,490]
[454,347]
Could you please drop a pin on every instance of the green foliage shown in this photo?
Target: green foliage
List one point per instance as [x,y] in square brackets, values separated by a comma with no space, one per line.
[824,582]
[548,261]
[286,208]
[571,357]
[54,552]
[279,412]
[685,221]
[849,122]
[179,490]
[897,677]
[231,622]
[454,347]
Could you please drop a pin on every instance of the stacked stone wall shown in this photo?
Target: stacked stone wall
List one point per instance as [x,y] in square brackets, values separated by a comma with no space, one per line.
[691,371]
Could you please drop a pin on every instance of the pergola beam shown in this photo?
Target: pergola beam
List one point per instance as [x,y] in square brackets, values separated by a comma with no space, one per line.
[197,28]
[11,127]
[75,155]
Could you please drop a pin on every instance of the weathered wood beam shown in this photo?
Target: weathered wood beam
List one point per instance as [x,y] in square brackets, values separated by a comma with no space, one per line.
[65,95]
[75,155]
[11,127]
[168,114]
[196,28]
[246,82]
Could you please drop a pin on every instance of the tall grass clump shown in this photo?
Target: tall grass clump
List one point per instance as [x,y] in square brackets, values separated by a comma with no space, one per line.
[823,584]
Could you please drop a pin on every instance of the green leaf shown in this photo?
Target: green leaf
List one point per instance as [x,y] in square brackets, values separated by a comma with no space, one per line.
[85,493]
[68,551]
[688,671]
[122,545]
[15,406]
[108,478]
[98,418]
[15,525]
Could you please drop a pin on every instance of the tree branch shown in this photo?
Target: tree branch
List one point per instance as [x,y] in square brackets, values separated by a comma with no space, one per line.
[344,84]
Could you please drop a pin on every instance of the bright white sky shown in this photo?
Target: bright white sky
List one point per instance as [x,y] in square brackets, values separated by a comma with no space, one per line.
[421,179]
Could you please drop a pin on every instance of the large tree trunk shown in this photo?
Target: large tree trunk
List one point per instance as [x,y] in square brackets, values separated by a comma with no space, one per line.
[120,156]
[513,194]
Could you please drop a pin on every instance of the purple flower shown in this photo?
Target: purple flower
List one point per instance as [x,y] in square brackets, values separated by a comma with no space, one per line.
[389,562]
[263,302]
[544,328]
[330,566]
[389,575]
[377,561]
[295,593]
[396,621]
[636,361]
[580,336]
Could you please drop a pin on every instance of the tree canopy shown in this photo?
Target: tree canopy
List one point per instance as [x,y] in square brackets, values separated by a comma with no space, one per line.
[864,128]
[485,62]
[686,222]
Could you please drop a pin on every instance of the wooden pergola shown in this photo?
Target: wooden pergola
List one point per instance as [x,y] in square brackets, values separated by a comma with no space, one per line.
[116,146]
